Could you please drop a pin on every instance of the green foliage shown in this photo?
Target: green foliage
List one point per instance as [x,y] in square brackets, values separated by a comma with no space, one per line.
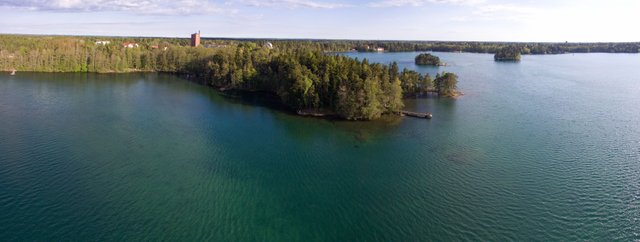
[446,84]
[427,59]
[414,83]
[509,53]
[84,54]
[307,79]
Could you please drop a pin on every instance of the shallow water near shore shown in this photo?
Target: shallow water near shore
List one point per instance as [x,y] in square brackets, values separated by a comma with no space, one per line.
[547,148]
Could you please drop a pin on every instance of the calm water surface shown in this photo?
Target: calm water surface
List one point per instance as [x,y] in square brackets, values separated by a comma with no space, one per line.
[544,149]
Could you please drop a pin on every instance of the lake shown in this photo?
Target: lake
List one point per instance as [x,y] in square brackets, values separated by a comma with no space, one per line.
[544,149]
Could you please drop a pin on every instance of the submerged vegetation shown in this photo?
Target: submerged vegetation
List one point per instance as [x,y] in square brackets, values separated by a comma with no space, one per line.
[427,59]
[305,78]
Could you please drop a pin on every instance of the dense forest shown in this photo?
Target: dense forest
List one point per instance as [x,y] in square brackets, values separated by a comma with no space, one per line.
[509,53]
[304,77]
[453,46]
[446,84]
[427,59]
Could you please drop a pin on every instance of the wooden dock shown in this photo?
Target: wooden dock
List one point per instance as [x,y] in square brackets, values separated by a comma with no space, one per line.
[416,114]
[310,113]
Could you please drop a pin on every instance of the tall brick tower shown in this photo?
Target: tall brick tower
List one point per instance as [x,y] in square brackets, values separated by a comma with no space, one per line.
[195,39]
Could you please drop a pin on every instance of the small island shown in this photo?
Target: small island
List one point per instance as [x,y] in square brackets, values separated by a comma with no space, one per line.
[428,59]
[507,54]
[446,84]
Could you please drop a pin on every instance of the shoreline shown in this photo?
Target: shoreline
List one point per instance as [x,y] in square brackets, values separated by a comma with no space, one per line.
[268,98]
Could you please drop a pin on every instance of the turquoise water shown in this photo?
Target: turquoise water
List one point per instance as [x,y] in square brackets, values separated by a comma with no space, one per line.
[544,149]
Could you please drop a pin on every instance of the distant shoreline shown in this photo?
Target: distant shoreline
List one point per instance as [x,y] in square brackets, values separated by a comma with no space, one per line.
[323,39]
[363,45]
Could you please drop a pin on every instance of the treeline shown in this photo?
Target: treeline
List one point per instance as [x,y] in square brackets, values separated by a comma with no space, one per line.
[60,53]
[494,47]
[85,54]
[309,80]
[454,46]
[304,76]
[507,54]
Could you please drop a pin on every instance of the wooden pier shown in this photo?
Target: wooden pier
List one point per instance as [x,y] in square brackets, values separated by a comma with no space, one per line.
[416,114]
[310,113]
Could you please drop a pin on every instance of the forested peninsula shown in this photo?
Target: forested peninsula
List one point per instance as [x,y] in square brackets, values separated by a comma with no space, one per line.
[302,75]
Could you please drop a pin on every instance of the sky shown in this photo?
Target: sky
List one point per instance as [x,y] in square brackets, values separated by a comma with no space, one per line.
[454,20]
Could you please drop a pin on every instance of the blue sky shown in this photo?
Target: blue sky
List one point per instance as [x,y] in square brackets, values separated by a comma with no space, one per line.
[466,20]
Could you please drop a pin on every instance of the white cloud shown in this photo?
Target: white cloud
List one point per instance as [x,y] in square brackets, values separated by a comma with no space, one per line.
[293,4]
[459,2]
[141,6]
[475,9]
[505,9]
[415,3]
[397,3]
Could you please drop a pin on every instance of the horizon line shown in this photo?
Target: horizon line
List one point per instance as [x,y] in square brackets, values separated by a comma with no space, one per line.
[318,39]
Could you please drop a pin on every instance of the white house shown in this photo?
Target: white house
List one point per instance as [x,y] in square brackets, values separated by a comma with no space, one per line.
[103,42]
[268,45]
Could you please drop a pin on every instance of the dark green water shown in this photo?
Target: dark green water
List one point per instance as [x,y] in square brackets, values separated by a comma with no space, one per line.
[545,149]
